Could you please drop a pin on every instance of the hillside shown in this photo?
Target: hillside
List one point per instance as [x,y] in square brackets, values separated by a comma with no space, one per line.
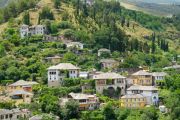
[159,8]
[79,61]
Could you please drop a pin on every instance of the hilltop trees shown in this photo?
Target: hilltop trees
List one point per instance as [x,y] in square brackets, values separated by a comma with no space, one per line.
[46,14]
[14,8]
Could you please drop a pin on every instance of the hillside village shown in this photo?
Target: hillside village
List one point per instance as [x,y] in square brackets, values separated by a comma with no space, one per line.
[87,60]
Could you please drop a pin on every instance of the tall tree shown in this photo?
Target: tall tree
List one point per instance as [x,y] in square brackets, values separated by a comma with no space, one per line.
[26,18]
[153,46]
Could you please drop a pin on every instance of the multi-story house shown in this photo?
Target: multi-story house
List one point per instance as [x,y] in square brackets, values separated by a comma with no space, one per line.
[142,78]
[21,96]
[26,30]
[21,85]
[158,77]
[110,81]
[150,92]
[55,59]
[133,101]
[86,102]
[14,114]
[109,63]
[57,73]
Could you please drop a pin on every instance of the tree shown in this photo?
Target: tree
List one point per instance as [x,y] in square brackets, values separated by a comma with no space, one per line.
[72,110]
[149,114]
[2,50]
[109,113]
[57,3]
[46,14]
[26,18]
[153,49]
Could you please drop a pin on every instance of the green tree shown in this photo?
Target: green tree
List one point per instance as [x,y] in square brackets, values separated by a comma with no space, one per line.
[149,114]
[26,18]
[72,110]
[57,3]
[109,113]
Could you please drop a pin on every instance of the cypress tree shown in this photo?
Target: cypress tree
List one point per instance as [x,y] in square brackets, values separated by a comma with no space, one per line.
[153,49]
[26,18]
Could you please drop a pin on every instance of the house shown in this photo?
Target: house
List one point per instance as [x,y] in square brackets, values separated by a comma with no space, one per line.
[150,92]
[176,67]
[86,102]
[21,96]
[84,74]
[50,38]
[57,73]
[14,114]
[158,77]
[103,50]
[42,116]
[142,78]
[133,101]
[110,81]
[55,59]
[108,63]
[129,82]
[26,30]
[22,85]
[75,45]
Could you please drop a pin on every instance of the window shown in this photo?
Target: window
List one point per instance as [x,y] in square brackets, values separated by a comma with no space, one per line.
[118,81]
[154,91]
[2,117]
[82,100]
[7,116]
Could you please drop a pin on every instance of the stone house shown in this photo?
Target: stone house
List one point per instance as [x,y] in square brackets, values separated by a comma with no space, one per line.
[150,92]
[26,30]
[110,81]
[57,73]
[142,78]
[133,101]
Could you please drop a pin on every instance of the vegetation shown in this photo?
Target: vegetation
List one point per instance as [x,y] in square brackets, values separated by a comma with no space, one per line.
[102,25]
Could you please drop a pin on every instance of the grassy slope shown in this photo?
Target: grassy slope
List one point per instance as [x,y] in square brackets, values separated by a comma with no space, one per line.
[138,32]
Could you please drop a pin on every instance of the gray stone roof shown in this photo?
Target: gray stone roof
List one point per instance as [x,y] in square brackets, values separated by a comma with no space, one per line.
[64,66]
[23,83]
[108,61]
[141,72]
[109,75]
[159,74]
[103,50]
[140,87]
[21,92]
[173,67]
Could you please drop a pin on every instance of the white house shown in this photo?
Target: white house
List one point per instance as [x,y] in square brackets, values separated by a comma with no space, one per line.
[158,77]
[26,30]
[110,81]
[74,44]
[57,73]
[150,92]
